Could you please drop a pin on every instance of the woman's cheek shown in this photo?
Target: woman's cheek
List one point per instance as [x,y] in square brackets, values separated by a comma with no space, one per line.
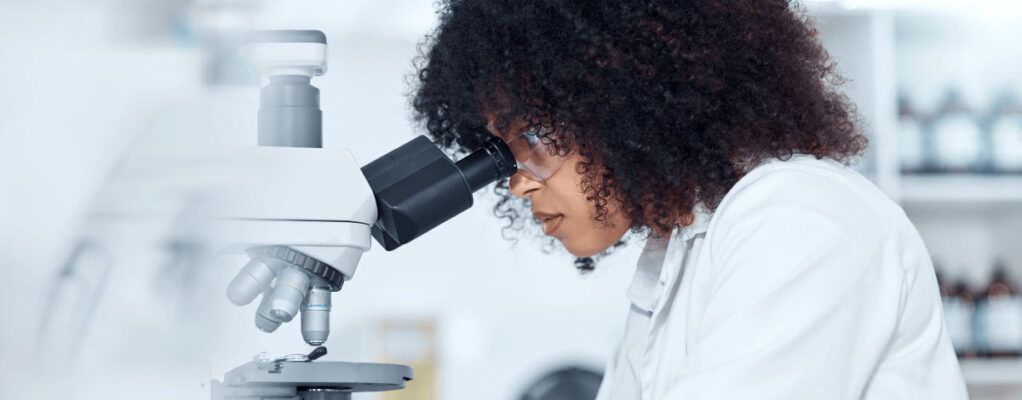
[577,239]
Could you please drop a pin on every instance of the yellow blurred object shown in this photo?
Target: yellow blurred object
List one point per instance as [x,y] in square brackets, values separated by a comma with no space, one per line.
[411,342]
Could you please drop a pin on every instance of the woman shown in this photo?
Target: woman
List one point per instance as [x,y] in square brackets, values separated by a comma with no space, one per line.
[771,269]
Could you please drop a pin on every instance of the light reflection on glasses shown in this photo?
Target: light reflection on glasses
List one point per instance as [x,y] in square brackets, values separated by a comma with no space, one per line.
[536,160]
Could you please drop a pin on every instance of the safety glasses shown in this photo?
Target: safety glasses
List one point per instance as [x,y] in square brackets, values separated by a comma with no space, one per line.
[536,160]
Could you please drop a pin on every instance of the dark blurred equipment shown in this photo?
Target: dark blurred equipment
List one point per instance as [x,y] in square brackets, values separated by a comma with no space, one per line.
[570,383]
[986,322]
[958,309]
[998,326]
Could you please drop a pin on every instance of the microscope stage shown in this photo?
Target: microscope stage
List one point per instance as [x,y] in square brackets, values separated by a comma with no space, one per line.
[257,379]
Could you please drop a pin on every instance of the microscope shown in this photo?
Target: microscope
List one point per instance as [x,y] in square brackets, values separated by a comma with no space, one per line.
[306,215]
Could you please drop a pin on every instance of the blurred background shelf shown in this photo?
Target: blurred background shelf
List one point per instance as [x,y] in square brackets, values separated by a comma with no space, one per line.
[968,189]
[993,371]
[993,379]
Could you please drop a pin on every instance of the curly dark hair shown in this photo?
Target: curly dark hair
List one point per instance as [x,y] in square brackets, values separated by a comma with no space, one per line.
[669,103]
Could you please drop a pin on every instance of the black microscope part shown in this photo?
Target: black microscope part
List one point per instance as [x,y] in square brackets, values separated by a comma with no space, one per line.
[417,187]
[316,353]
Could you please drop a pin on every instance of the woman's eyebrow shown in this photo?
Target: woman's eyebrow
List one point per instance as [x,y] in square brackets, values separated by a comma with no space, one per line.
[492,130]
[504,134]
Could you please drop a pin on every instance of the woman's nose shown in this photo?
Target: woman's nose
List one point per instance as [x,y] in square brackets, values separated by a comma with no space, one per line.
[522,186]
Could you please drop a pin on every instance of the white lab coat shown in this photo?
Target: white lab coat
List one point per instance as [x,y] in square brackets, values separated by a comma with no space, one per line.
[807,282]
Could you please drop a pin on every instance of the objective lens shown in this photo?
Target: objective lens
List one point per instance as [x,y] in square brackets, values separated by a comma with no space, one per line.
[263,320]
[253,279]
[316,316]
[288,293]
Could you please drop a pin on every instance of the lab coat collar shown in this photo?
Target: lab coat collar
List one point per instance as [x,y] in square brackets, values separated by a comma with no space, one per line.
[699,225]
[650,275]
[642,291]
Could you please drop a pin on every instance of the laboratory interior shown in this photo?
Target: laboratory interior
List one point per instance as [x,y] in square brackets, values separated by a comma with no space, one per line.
[125,221]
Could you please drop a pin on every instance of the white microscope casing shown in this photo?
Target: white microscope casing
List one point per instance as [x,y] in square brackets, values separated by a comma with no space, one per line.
[314,200]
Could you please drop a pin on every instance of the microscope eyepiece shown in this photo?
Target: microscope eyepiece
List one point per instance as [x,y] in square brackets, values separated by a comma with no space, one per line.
[417,187]
[492,162]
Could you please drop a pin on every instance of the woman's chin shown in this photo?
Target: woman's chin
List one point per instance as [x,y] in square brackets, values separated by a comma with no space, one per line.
[580,251]
[590,241]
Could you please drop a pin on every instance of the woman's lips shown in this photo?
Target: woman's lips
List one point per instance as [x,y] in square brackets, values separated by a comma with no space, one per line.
[551,224]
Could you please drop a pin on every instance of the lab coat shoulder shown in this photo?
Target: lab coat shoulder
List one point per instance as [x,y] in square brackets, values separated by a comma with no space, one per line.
[820,190]
[796,285]
[795,208]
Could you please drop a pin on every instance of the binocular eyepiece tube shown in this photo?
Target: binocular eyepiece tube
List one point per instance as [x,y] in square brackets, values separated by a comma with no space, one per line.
[417,187]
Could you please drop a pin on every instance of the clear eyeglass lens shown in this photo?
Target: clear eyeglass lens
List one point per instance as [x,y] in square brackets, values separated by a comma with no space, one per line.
[535,159]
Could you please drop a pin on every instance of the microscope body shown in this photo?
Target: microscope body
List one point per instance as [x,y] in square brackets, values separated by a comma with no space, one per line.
[315,201]
[305,215]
